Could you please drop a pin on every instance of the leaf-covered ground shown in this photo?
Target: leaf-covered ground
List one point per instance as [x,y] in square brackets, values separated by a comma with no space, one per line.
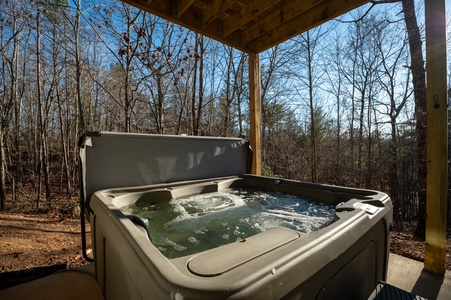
[404,244]
[39,239]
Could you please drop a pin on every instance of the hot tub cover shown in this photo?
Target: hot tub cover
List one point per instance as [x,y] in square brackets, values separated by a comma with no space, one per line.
[110,159]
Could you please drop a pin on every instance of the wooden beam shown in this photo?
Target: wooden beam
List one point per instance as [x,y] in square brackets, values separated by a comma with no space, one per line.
[249,12]
[255,111]
[316,15]
[285,12]
[183,5]
[437,137]
[191,19]
[212,11]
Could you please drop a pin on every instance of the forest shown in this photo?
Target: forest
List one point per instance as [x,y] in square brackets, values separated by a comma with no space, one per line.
[342,104]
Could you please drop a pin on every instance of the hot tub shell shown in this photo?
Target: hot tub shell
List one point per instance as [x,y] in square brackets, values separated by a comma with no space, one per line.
[344,260]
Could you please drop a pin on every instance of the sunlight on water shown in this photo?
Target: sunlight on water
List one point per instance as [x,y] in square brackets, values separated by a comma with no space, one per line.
[186,226]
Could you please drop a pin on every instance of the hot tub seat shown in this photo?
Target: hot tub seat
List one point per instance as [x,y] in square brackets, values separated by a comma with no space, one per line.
[233,255]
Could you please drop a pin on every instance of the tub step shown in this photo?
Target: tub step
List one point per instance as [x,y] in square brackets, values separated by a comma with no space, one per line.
[386,291]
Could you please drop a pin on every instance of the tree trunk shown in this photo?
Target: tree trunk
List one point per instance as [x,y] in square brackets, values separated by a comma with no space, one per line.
[2,172]
[128,94]
[352,121]
[65,162]
[193,89]
[360,140]
[160,105]
[228,95]
[81,121]
[419,85]
[201,84]
[43,158]
[313,129]
[17,105]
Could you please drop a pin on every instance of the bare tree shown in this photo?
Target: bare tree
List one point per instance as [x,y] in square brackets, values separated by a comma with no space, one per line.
[197,101]
[14,12]
[232,90]
[394,79]
[43,146]
[80,110]
[419,85]
[310,45]
[336,87]
[309,48]
[165,66]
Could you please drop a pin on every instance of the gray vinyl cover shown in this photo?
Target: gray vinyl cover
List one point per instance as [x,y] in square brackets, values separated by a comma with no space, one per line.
[111,160]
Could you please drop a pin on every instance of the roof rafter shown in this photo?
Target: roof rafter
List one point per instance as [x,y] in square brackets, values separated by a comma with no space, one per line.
[183,5]
[248,13]
[312,17]
[215,8]
[248,25]
[190,19]
[283,13]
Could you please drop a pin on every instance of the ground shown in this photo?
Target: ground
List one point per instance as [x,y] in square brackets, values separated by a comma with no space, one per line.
[34,239]
[404,244]
[36,243]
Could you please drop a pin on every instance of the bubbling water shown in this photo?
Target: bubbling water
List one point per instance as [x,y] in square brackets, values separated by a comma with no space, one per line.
[186,226]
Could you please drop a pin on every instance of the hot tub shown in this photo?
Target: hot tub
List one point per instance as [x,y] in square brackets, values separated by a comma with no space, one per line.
[342,257]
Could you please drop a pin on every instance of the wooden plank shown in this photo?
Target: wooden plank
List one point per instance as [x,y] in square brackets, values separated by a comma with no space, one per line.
[316,15]
[191,19]
[263,32]
[255,111]
[249,12]
[285,12]
[183,5]
[437,137]
[212,11]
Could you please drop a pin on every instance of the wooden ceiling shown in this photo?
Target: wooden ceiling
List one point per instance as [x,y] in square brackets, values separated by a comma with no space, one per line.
[248,25]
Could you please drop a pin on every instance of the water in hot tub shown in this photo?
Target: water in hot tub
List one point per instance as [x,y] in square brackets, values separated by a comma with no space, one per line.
[186,226]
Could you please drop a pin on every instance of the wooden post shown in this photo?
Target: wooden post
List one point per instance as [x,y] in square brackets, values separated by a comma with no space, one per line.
[437,137]
[255,111]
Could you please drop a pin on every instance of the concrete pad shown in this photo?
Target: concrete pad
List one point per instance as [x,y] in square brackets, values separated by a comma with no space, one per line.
[70,284]
[409,275]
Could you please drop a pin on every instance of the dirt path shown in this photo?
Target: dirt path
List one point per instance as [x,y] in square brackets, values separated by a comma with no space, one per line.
[35,239]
